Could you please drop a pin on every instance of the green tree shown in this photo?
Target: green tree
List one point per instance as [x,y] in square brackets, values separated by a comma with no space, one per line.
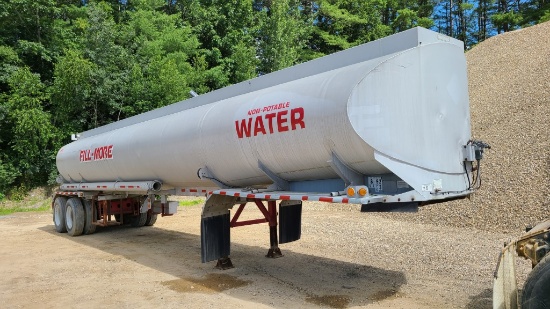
[283,36]
[460,19]
[71,92]
[161,49]
[29,152]
[9,62]
[483,11]
[340,24]
[32,28]
[507,16]
[227,32]
[112,65]
[407,18]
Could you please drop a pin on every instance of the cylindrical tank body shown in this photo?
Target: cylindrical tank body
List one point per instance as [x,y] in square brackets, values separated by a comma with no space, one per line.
[410,107]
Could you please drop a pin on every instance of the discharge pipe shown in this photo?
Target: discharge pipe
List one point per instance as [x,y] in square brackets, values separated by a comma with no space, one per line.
[134,186]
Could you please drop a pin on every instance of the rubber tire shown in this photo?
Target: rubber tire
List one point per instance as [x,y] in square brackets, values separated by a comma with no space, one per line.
[139,220]
[126,217]
[59,209]
[75,217]
[89,227]
[536,291]
[151,219]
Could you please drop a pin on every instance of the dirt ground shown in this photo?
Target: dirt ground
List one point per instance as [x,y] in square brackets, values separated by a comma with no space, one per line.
[345,259]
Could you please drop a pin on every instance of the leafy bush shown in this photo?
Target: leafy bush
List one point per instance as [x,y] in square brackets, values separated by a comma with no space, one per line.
[18,193]
[7,176]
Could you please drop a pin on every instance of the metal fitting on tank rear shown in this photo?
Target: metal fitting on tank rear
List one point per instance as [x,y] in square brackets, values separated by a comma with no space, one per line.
[473,152]
[155,186]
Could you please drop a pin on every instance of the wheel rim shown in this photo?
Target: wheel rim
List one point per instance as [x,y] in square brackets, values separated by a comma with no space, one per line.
[58,215]
[69,218]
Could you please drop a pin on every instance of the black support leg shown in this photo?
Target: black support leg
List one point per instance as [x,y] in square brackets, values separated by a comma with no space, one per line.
[274,251]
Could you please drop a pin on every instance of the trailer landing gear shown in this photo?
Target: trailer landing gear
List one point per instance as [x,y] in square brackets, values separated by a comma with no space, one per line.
[271,217]
[224,263]
[216,223]
[274,253]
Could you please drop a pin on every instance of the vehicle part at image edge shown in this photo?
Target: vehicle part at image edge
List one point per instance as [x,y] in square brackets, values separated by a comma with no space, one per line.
[536,291]
[534,245]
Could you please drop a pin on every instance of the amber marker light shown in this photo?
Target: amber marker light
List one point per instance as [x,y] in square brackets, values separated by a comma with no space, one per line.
[362,191]
[351,191]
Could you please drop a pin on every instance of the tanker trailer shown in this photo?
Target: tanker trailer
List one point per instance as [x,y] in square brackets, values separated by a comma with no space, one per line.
[383,123]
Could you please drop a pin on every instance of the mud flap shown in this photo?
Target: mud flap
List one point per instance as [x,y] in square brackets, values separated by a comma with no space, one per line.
[215,224]
[505,292]
[215,238]
[390,207]
[290,221]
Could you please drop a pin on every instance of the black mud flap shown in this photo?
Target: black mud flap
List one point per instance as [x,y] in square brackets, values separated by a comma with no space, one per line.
[390,207]
[290,221]
[215,238]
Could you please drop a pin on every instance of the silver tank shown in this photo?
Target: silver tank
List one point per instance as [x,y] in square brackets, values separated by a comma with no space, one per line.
[398,105]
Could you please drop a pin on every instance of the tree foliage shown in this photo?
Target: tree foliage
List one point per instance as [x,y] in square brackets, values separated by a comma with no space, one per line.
[282,35]
[28,136]
[67,66]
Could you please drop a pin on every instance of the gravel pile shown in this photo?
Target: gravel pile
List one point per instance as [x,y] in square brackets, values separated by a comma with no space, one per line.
[509,80]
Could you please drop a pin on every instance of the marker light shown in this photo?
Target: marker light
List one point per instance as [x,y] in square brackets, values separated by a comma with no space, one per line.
[351,191]
[362,191]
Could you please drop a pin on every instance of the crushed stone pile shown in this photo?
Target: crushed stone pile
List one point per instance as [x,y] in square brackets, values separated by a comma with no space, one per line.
[509,81]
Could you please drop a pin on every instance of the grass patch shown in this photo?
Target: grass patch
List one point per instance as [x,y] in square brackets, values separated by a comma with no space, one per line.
[35,200]
[6,211]
[9,208]
[191,202]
